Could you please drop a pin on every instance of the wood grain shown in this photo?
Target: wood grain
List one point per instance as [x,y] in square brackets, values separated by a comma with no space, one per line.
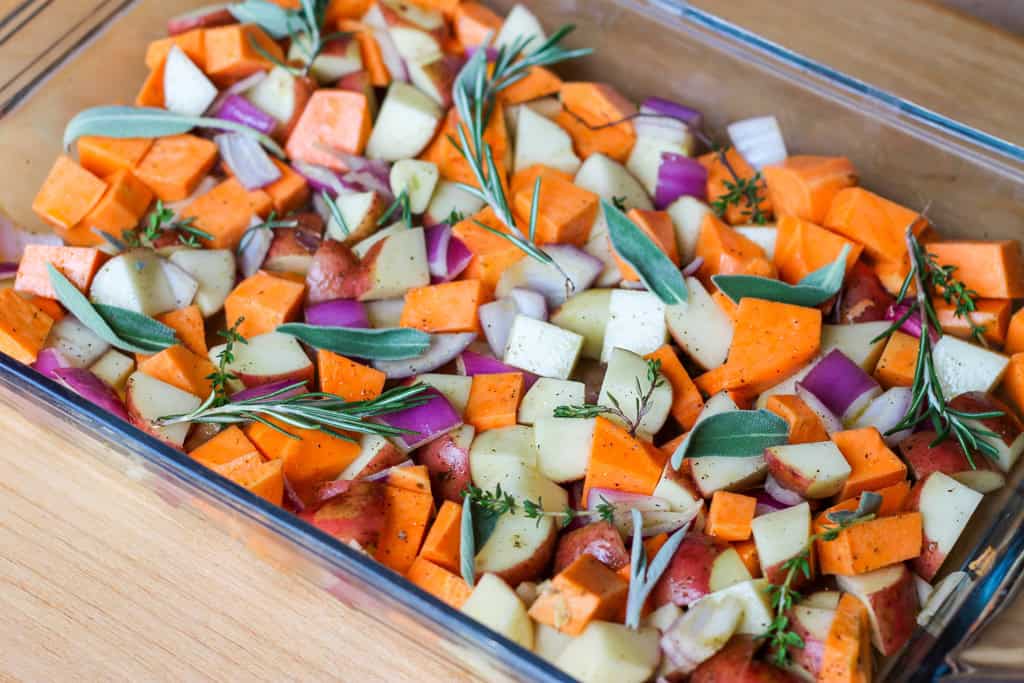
[100,580]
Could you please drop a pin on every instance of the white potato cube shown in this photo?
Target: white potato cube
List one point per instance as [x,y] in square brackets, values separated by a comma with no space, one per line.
[545,395]
[636,322]
[113,368]
[542,141]
[79,345]
[753,595]
[962,366]
[763,236]
[497,607]
[626,372]
[700,327]
[521,24]
[646,158]
[612,653]
[455,388]
[587,315]
[542,348]
[687,215]
[515,442]
[418,179]
[856,341]
[563,447]
[213,270]
[609,179]
[405,124]
[449,197]
[187,90]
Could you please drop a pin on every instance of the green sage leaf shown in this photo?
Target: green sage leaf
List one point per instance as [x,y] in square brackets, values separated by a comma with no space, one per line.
[815,289]
[655,269]
[86,313]
[149,122]
[467,544]
[137,329]
[398,343]
[273,19]
[735,434]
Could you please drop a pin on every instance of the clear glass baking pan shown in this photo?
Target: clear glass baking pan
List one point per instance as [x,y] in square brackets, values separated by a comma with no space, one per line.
[973,181]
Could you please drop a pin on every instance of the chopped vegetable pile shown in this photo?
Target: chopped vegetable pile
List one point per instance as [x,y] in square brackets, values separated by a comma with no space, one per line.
[651,404]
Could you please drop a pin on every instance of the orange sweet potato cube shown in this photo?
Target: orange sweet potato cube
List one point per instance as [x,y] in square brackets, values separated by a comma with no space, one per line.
[491,254]
[720,176]
[289,192]
[803,247]
[348,379]
[1015,334]
[899,359]
[68,194]
[727,252]
[730,516]
[407,515]
[869,545]
[103,156]
[474,24]
[590,105]
[442,543]
[151,94]
[78,264]
[231,54]
[658,226]
[265,479]
[265,301]
[226,212]
[174,165]
[122,206]
[748,553]
[23,327]
[444,307]
[804,424]
[994,270]
[585,591]
[686,399]
[50,307]
[772,341]
[443,584]
[494,400]
[224,447]
[874,221]
[338,119]
[1012,388]
[181,368]
[620,461]
[873,465]
[189,326]
[539,82]
[192,43]
[565,213]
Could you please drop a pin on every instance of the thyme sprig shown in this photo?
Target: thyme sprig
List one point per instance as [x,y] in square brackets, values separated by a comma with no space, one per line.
[222,377]
[272,223]
[604,512]
[161,220]
[643,402]
[312,411]
[474,96]
[499,502]
[782,597]
[928,402]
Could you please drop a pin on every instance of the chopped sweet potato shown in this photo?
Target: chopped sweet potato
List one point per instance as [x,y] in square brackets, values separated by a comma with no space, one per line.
[589,106]
[265,301]
[847,654]
[620,461]
[445,307]
[68,194]
[565,212]
[231,56]
[894,500]
[442,543]
[23,327]
[871,545]
[406,519]
[803,247]
[991,315]
[224,447]
[335,119]
[491,254]
[804,424]
[494,400]
[348,379]
[181,368]
[475,24]
[539,82]
[899,359]
[78,264]
[192,43]
[151,94]
[289,192]
[174,165]
[877,223]
[658,226]
[103,156]
[729,516]
[226,212]
[686,399]
[1015,334]
[121,208]
[1012,388]
[803,187]
[189,327]
[584,591]
[719,174]
[727,252]
[772,341]
[443,584]
[992,269]
[747,551]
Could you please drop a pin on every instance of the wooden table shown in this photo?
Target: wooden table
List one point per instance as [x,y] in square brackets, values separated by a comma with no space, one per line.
[99,580]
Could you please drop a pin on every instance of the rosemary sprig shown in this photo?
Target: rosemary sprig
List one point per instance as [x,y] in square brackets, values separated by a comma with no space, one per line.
[401,202]
[928,402]
[272,223]
[783,597]
[222,377]
[336,213]
[643,398]
[474,95]
[161,220]
[313,411]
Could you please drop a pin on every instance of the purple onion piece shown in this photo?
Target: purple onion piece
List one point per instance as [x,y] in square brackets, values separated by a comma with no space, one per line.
[338,313]
[240,110]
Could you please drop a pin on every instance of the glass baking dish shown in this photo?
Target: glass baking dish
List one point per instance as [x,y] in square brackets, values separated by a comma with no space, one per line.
[974,183]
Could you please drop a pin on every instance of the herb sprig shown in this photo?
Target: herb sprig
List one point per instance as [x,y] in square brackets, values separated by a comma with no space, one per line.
[221,378]
[643,402]
[474,95]
[499,502]
[643,578]
[782,597]
[160,221]
[272,223]
[304,28]
[313,411]
[928,402]
[401,202]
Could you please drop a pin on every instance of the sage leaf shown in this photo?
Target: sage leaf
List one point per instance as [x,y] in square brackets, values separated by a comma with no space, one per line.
[869,504]
[735,434]
[643,579]
[88,315]
[137,329]
[655,269]
[398,343]
[814,289]
[149,122]
[273,19]
[467,543]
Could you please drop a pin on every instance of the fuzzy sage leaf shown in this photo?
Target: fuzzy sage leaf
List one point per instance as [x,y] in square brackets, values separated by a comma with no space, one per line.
[656,271]
[814,289]
[123,319]
[643,578]
[149,122]
[467,544]
[734,434]
[398,343]
[273,19]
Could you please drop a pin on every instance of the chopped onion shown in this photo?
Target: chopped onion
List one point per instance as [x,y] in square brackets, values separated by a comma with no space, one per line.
[444,348]
[425,422]
[694,266]
[679,112]
[780,493]
[655,510]
[14,240]
[357,164]
[49,360]
[831,423]
[767,505]
[667,522]
[247,160]
[459,257]
[438,238]
[759,141]
[267,389]
[91,388]
[841,385]
[366,181]
[240,110]
[254,252]
[496,319]
[665,120]
[321,179]
[679,176]
[470,364]
[529,303]
[338,313]
[492,52]
[392,59]
[912,325]
[887,411]
[8,270]
[548,281]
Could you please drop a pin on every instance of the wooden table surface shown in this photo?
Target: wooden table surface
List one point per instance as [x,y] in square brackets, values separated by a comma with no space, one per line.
[100,580]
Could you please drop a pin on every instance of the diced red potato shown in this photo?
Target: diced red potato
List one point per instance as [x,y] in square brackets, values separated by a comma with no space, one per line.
[946,507]
[447,460]
[812,624]
[812,470]
[891,599]
[1008,428]
[356,516]
[781,536]
[701,632]
[148,399]
[701,566]
[947,457]
[268,358]
[600,539]
[376,454]
[736,663]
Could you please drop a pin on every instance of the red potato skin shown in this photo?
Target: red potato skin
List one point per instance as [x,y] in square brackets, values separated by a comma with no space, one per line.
[218,16]
[895,608]
[600,539]
[304,374]
[448,465]
[1008,427]
[335,273]
[357,515]
[688,576]
[785,475]
[360,82]
[532,568]
[809,657]
[386,457]
[442,74]
[294,246]
[145,425]
[927,564]
[923,458]
[864,299]
[735,663]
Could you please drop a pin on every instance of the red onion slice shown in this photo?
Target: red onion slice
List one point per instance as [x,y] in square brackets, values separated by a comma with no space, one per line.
[50,360]
[841,385]
[438,238]
[338,313]
[529,303]
[91,388]
[8,270]
[238,88]
[444,348]
[759,141]
[254,393]
[368,182]
[247,160]
[425,422]
[496,319]
[240,110]
[780,493]
[321,178]
[674,110]
[679,176]
[887,411]
[14,240]
[254,252]
[470,364]
[694,266]
[459,257]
